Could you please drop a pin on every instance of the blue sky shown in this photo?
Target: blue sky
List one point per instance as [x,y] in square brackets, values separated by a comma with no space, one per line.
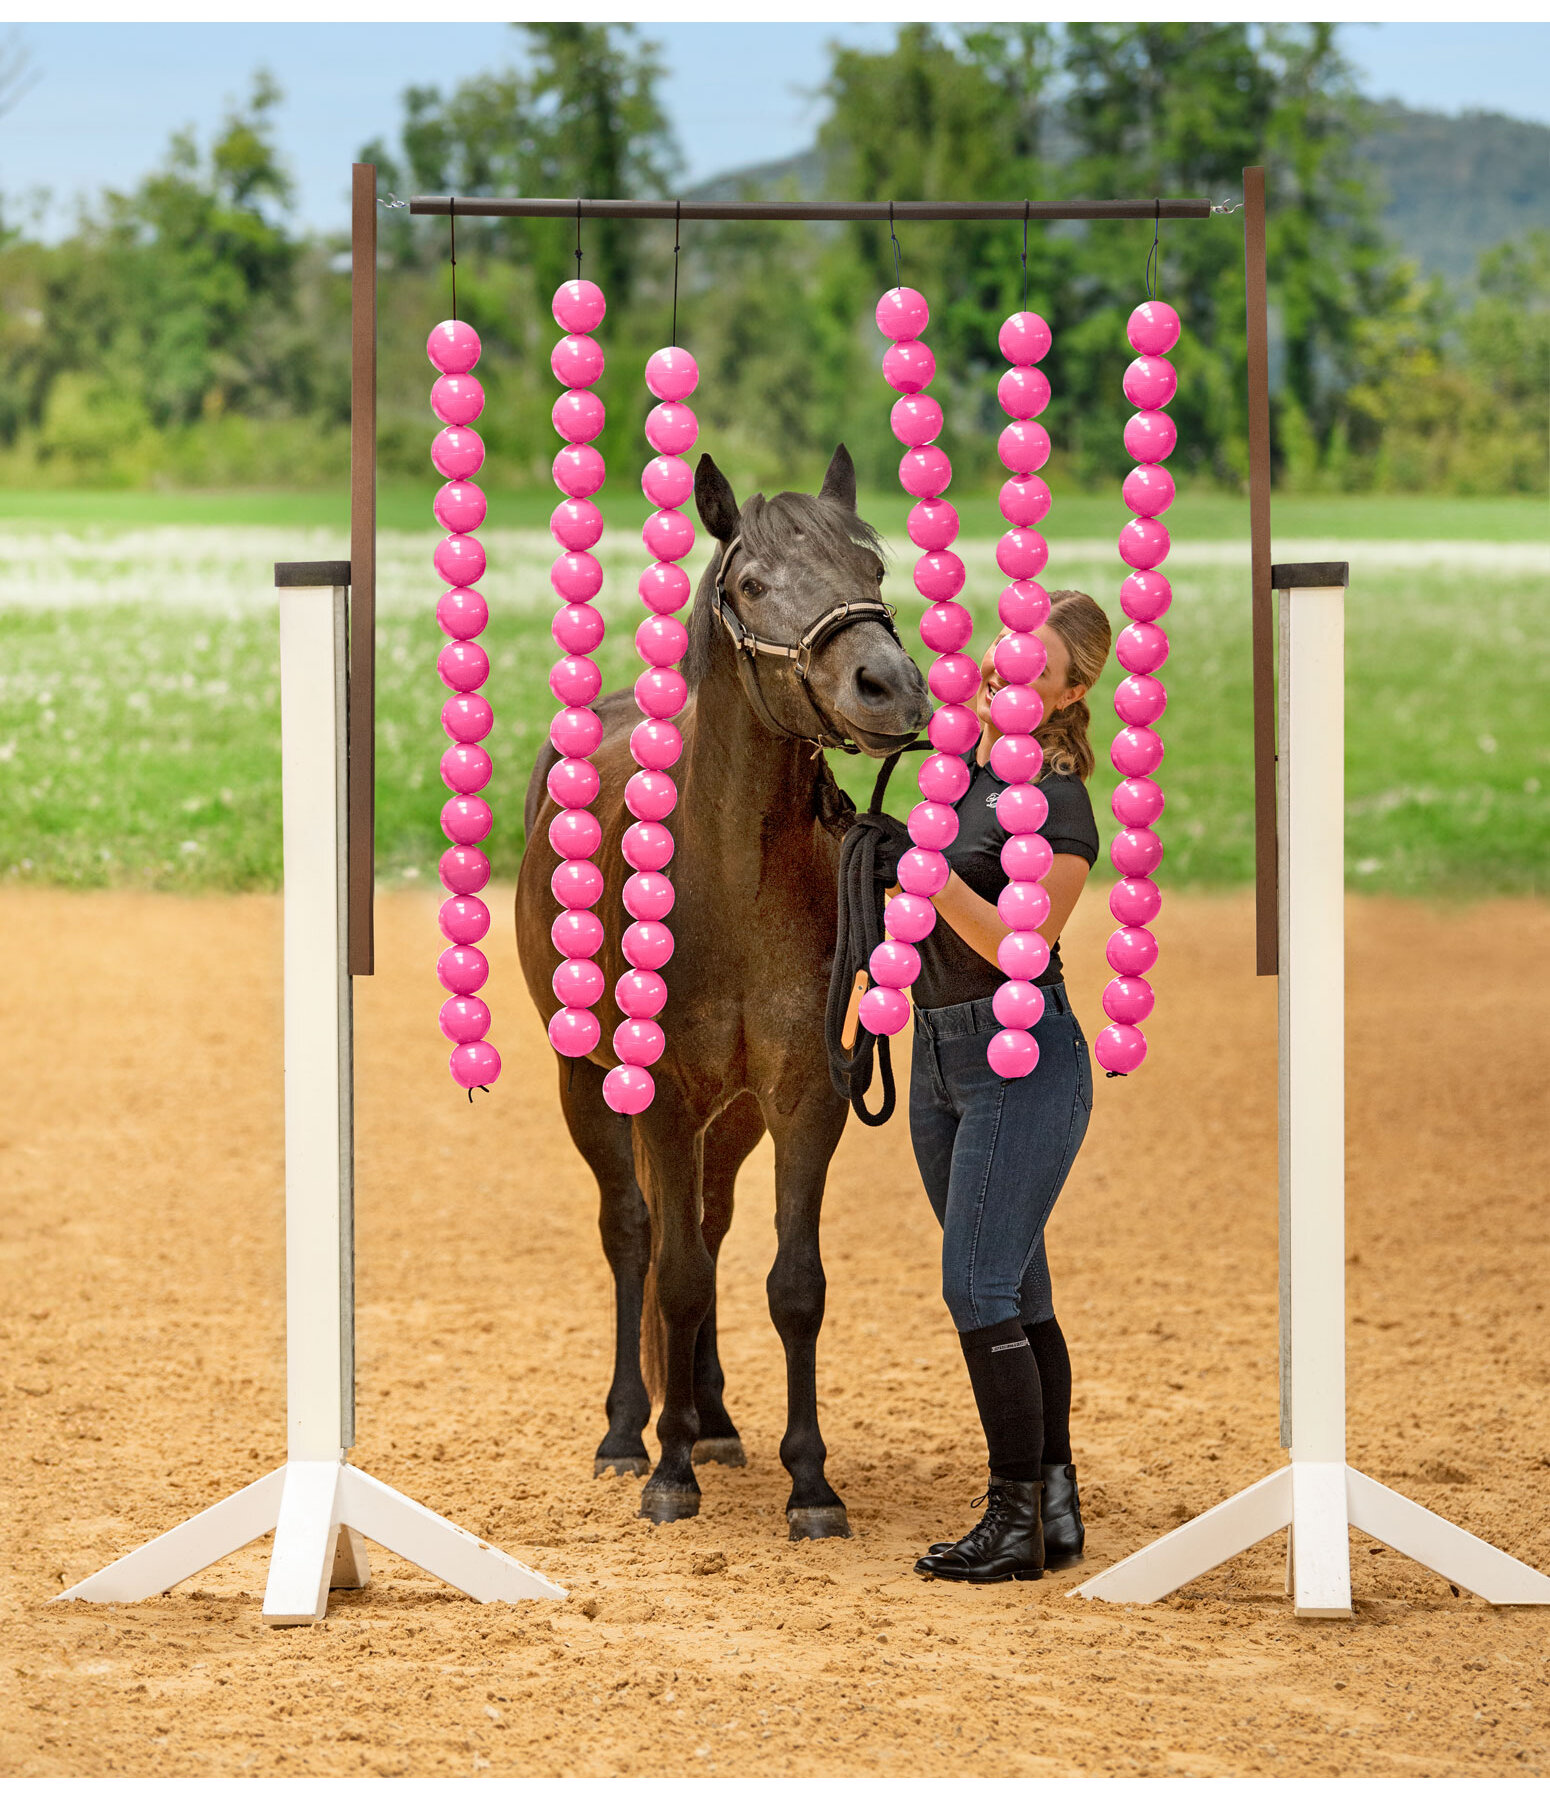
[107,96]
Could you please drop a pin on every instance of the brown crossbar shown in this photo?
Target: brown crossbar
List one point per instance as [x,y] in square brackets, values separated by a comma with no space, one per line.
[485,206]
[363,566]
[1266,930]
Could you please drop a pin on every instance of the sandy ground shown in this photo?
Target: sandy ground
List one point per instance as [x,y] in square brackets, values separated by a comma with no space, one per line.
[142,1379]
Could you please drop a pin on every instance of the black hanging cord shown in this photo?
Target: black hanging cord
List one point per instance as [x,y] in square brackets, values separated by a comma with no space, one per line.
[677,223]
[898,271]
[1151,257]
[452,234]
[1025,255]
[578,237]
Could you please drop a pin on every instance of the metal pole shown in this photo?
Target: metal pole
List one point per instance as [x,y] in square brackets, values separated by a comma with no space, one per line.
[903,211]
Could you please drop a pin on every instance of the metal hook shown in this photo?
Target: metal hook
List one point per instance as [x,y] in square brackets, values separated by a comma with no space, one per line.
[1151,255]
[678,209]
[452,235]
[1026,207]
[578,237]
[898,267]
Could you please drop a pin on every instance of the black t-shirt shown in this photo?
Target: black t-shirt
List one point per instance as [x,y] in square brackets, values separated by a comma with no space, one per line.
[950,972]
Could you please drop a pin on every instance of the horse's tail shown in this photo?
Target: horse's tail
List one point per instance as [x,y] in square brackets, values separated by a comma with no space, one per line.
[653,1334]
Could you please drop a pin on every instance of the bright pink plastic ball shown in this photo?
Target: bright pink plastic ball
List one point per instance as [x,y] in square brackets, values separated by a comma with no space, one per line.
[574,832]
[894,964]
[1137,801]
[932,524]
[1023,955]
[1131,950]
[463,918]
[1153,328]
[944,779]
[572,781]
[925,473]
[462,666]
[576,731]
[464,1018]
[462,612]
[640,993]
[475,1065]
[1148,490]
[1020,656]
[579,470]
[578,628]
[629,1090]
[1019,1005]
[648,895]
[576,932]
[460,560]
[1023,393]
[574,1031]
[576,576]
[577,884]
[1021,553]
[883,1011]
[908,365]
[465,768]
[939,575]
[1023,446]
[661,640]
[923,872]
[661,693]
[1024,339]
[671,428]
[463,869]
[668,535]
[1023,905]
[916,420]
[954,678]
[650,794]
[647,944]
[947,625]
[1024,606]
[1135,852]
[578,415]
[1021,808]
[663,587]
[1143,543]
[639,1042]
[575,680]
[1027,857]
[1146,595]
[672,374]
[902,313]
[656,744]
[457,452]
[1024,500]
[1141,648]
[1017,757]
[1120,1049]
[579,306]
[457,399]
[1135,901]
[953,730]
[578,982]
[467,718]
[1137,750]
[462,969]
[1013,1054]
[1140,699]
[577,361]
[1150,436]
[1150,382]
[909,917]
[576,524]
[667,481]
[647,845]
[1016,710]
[465,819]
[1128,999]
[453,346]
[459,506]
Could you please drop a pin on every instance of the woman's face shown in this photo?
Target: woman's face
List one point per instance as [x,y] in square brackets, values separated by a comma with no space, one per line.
[1053,687]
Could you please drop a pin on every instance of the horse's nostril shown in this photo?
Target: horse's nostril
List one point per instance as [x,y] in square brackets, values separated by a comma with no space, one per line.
[871,690]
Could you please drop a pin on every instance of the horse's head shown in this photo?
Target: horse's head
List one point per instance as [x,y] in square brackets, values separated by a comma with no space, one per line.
[797,589]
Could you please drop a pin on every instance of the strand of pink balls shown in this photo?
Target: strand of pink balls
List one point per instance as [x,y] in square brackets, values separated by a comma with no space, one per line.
[1140,698]
[457,399]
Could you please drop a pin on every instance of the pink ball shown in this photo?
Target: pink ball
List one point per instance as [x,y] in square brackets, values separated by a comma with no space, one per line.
[1023,955]
[574,1032]
[939,575]
[902,314]
[457,399]
[954,678]
[1136,751]
[1150,436]
[1128,999]
[1024,339]
[577,884]
[923,872]
[883,1011]
[1021,808]
[647,944]
[1144,543]
[671,428]
[572,781]
[640,993]
[925,473]
[1020,656]
[1012,1054]
[1025,500]
[672,374]
[576,731]
[908,365]
[575,680]
[579,306]
[647,845]
[1150,382]
[576,524]
[578,628]
[462,969]
[667,481]
[1023,393]
[916,419]
[1024,606]
[932,524]
[576,361]
[944,779]
[954,730]
[639,1042]
[1023,905]
[1017,757]
[648,896]
[1135,852]
[574,833]
[1131,950]
[1153,328]
[894,964]
[465,819]
[650,794]
[656,744]
[464,1018]
[1148,490]
[1140,699]
[463,869]
[629,1090]
[463,918]
[668,535]
[1023,446]
[946,626]
[578,982]
[1019,1005]
[576,575]
[465,768]
[475,1065]
[1135,901]
[459,506]
[660,693]
[576,933]
[1021,553]
[467,718]
[661,640]
[663,587]
[909,917]
[579,470]
[453,346]
[1017,710]
[1120,1049]
[462,666]
[1027,857]
[578,415]
[1142,648]
[462,612]
[459,560]
[1137,801]
[457,452]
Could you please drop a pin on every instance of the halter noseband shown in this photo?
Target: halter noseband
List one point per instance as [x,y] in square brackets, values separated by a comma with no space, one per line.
[800,654]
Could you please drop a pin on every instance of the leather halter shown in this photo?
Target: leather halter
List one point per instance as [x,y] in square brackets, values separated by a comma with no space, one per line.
[749,648]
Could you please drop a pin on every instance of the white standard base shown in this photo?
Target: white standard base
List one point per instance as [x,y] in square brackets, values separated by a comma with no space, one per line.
[319,1512]
[1316,1504]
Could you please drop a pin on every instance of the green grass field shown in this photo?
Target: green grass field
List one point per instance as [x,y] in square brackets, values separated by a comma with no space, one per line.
[139,688]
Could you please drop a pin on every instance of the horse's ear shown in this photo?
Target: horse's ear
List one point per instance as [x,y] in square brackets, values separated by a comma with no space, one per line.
[839,484]
[716,502]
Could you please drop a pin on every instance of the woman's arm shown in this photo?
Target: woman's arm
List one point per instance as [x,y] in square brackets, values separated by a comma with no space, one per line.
[979,924]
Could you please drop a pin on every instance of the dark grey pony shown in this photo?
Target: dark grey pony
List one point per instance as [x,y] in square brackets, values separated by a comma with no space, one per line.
[790,649]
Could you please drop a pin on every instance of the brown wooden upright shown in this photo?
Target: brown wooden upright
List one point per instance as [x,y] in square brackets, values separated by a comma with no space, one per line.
[1266,939]
[363,564]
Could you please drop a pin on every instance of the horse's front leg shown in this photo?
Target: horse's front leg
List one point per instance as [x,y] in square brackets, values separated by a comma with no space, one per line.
[804,1142]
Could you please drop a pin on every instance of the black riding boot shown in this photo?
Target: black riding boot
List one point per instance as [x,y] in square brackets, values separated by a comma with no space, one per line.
[1006,1545]
[1064,1533]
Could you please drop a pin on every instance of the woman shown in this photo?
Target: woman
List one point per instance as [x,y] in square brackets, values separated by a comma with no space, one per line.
[994,1153]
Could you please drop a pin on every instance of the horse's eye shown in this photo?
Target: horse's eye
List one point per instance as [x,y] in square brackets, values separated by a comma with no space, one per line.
[751,589]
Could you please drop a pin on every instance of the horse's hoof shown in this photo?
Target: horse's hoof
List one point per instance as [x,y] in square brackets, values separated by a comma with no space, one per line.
[725,1450]
[817,1522]
[663,1505]
[620,1465]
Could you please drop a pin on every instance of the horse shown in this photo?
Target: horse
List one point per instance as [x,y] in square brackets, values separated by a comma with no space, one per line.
[791,649]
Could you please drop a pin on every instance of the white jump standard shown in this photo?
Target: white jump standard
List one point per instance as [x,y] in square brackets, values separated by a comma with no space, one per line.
[1318,1495]
[318,1506]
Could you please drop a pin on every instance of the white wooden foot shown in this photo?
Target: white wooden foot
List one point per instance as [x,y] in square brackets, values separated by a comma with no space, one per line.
[1447,1549]
[351,1568]
[304,1540]
[1201,1544]
[1321,1562]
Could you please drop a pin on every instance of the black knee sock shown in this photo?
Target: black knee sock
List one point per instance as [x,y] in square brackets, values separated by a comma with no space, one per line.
[1007,1393]
[1049,1349]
